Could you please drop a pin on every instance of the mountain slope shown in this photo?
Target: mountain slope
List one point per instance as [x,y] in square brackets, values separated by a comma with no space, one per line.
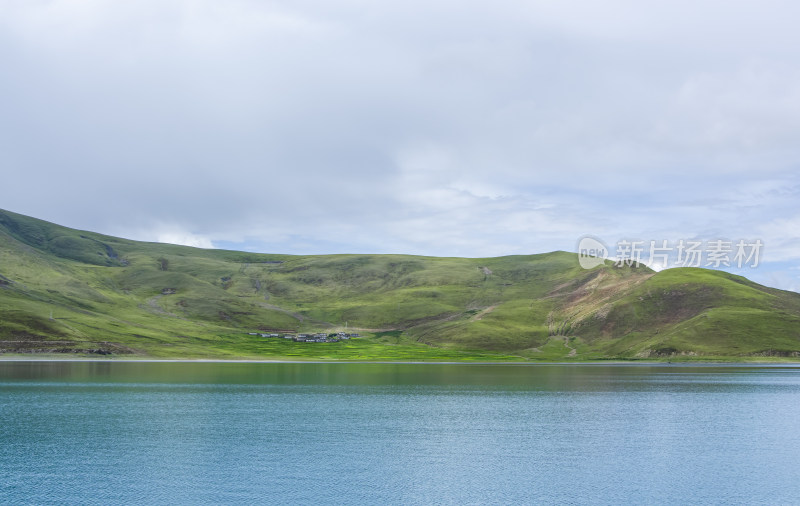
[63,290]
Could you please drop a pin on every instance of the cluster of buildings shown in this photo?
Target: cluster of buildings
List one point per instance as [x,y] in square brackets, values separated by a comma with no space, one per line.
[320,337]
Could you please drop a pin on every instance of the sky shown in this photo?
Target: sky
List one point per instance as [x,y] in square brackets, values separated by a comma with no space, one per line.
[446,128]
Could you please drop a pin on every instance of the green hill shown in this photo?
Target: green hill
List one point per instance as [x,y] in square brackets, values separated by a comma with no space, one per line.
[68,291]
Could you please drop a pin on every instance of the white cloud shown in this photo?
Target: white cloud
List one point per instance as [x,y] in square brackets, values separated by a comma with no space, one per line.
[185,239]
[171,234]
[437,128]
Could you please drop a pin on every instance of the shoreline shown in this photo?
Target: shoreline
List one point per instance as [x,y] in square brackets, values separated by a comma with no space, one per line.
[721,363]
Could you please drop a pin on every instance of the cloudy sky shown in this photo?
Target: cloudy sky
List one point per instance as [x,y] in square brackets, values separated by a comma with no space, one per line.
[439,128]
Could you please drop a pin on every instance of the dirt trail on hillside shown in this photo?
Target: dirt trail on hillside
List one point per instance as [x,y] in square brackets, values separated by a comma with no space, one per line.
[572,351]
[296,316]
[480,315]
[154,307]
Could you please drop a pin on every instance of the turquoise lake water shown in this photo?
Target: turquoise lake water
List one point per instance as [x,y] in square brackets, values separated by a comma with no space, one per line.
[211,433]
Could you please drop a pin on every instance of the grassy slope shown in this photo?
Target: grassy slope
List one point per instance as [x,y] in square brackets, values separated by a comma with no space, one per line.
[160,300]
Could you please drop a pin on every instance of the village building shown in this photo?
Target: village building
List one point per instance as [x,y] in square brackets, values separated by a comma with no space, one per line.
[318,337]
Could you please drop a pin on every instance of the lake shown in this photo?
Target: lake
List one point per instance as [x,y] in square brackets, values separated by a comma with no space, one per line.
[340,433]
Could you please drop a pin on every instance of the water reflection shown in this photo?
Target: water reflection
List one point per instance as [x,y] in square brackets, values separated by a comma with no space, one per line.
[544,377]
[136,432]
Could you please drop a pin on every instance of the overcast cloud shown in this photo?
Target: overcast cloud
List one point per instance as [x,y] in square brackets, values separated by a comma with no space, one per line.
[437,128]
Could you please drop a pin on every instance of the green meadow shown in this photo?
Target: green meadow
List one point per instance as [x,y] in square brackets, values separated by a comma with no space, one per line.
[67,293]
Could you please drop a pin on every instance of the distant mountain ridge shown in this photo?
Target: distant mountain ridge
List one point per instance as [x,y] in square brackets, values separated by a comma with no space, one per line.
[68,291]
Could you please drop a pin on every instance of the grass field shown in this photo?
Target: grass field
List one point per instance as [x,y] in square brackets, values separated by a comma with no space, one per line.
[67,292]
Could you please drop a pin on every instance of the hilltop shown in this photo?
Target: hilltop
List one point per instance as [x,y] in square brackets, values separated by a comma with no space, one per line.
[68,291]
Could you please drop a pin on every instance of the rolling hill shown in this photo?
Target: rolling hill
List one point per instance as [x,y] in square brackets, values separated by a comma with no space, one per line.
[73,292]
